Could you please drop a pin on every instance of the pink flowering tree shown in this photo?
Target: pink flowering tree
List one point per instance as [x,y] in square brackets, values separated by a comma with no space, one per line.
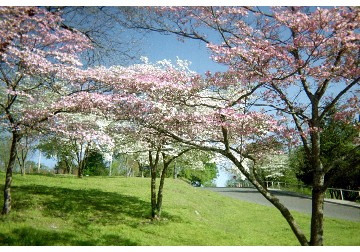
[172,102]
[299,63]
[39,62]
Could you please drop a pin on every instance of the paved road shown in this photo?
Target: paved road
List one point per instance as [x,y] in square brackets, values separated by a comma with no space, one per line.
[333,208]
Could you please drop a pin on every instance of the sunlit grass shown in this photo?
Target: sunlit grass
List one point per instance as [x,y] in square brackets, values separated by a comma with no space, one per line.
[115,211]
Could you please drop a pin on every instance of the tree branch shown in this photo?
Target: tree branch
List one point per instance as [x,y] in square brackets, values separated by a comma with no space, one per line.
[337,98]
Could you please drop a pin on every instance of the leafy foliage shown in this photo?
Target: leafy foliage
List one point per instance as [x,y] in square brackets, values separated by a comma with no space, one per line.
[338,139]
[201,177]
[63,151]
[196,167]
[95,164]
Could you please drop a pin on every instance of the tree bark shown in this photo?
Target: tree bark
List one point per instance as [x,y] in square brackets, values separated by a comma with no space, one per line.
[39,162]
[80,163]
[284,211]
[67,166]
[9,170]
[318,192]
[161,186]
[22,167]
[153,194]
[21,160]
[83,161]
[80,169]
[317,215]
[175,171]
[153,166]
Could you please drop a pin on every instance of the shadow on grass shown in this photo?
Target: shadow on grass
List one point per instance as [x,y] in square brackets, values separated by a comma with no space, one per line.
[98,206]
[34,237]
[85,211]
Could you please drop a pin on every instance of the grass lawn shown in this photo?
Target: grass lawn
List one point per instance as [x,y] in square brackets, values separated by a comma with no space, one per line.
[61,210]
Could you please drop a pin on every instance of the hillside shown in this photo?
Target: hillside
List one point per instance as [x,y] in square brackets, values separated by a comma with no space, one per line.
[49,210]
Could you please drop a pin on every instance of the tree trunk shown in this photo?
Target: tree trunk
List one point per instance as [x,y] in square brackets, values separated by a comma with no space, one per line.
[153,165]
[275,201]
[9,170]
[21,164]
[67,166]
[23,159]
[80,169]
[284,211]
[318,193]
[39,163]
[161,186]
[153,194]
[317,215]
[175,171]
[23,170]
[83,161]
[111,161]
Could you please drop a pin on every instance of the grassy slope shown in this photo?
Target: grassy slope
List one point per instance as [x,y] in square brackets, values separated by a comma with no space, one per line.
[115,211]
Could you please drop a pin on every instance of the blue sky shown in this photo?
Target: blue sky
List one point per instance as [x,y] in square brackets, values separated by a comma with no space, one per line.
[158,47]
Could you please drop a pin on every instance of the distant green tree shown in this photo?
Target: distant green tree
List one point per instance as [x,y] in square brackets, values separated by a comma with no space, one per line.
[238,181]
[70,153]
[127,165]
[204,177]
[53,147]
[232,182]
[196,166]
[95,164]
[64,165]
[44,169]
[30,166]
[24,150]
[338,139]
